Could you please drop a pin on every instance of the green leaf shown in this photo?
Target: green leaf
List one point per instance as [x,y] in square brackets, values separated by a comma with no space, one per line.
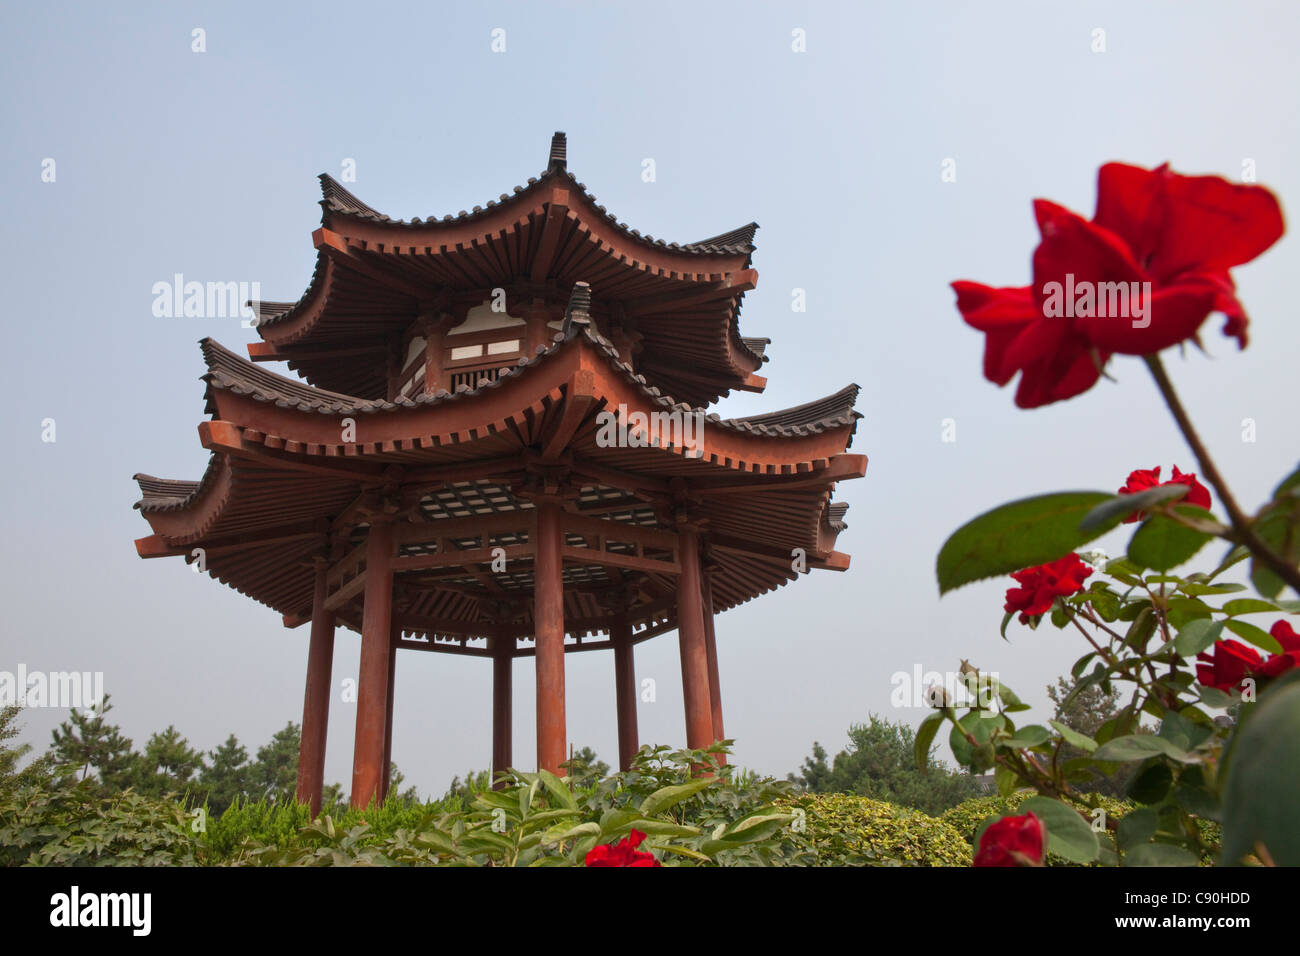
[1026,737]
[1109,513]
[1137,826]
[1196,636]
[925,739]
[557,790]
[1159,854]
[1073,737]
[1139,747]
[680,851]
[1006,619]
[1068,834]
[1018,535]
[1161,543]
[1254,635]
[666,797]
[660,828]
[1106,603]
[1006,780]
[1249,606]
[1262,789]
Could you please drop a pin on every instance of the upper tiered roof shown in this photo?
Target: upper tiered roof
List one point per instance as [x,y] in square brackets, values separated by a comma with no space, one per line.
[375,275]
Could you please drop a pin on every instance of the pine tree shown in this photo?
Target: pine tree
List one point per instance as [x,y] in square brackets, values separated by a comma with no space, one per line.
[226,779]
[37,773]
[274,775]
[86,742]
[168,764]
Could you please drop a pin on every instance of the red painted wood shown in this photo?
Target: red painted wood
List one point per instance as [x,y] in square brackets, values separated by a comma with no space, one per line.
[711,650]
[372,685]
[694,653]
[316,700]
[548,617]
[625,691]
[502,707]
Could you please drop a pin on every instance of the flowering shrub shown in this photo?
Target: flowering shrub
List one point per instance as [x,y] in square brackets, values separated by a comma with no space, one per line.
[1226,744]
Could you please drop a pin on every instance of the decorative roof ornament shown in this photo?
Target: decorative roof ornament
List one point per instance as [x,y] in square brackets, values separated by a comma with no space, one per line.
[559,149]
[578,314]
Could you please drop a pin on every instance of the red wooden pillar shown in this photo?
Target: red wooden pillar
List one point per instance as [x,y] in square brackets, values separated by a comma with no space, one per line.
[548,622]
[388,716]
[711,649]
[693,649]
[373,674]
[316,700]
[502,715]
[625,691]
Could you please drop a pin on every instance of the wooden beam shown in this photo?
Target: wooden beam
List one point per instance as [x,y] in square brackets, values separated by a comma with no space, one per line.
[227,437]
[266,352]
[343,253]
[580,396]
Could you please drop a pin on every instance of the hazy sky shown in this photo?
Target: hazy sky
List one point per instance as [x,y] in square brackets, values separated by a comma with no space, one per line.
[173,161]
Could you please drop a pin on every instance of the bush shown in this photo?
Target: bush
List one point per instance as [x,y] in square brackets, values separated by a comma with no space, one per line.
[847,830]
[75,826]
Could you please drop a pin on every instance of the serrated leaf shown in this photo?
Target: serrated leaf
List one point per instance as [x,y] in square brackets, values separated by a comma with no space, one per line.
[1139,747]
[1196,636]
[1161,543]
[1068,834]
[1073,737]
[1018,535]
[1249,606]
[1254,635]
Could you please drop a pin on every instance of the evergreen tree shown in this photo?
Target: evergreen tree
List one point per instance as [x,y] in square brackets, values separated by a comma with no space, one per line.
[225,780]
[168,764]
[274,775]
[86,742]
[35,774]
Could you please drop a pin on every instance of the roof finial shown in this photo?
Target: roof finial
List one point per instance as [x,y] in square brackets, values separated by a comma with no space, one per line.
[558,150]
[578,314]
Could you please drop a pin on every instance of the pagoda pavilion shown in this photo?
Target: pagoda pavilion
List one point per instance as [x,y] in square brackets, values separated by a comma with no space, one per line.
[500,447]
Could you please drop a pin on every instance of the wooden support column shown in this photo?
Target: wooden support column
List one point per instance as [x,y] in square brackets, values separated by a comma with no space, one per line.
[548,621]
[692,645]
[625,691]
[502,714]
[316,700]
[388,718]
[373,674]
[711,649]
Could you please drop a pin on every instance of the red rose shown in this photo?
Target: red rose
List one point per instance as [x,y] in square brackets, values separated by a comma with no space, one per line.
[622,853]
[1012,841]
[1040,586]
[1231,662]
[1146,478]
[1290,657]
[1227,665]
[1148,270]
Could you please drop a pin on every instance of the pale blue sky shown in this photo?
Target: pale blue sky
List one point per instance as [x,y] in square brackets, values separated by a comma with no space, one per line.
[173,161]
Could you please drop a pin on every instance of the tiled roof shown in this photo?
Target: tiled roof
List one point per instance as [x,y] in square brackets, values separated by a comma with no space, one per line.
[231,372]
[338,200]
